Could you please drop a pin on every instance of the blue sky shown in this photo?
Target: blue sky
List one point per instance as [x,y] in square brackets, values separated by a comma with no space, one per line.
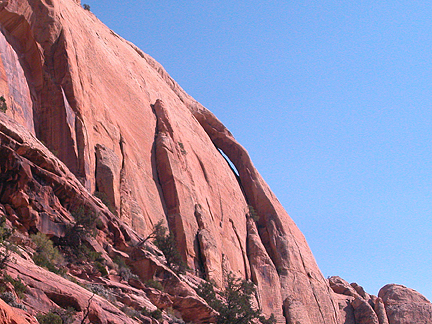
[332,99]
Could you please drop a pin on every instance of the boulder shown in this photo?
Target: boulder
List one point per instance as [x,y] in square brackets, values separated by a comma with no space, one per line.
[405,305]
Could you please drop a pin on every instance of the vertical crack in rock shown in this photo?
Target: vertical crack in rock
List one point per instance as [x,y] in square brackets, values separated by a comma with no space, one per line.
[208,249]
[108,169]
[243,250]
[129,209]
[121,145]
[263,273]
[53,126]
[168,168]
[154,168]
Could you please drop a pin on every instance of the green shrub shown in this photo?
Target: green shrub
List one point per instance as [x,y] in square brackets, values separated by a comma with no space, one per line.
[49,318]
[86,7]
[74,243]
[101,291]
[67,315]
[167,244]
[3,105]
[101,268]
[9,298]
[130,312]
[156,314]
[235,306]
[119,261]
[85,225]
[154,284]
[123,269]
[19,286]
[252,213]
[5,234]
[104,198]
[126,274]
[47,255]
[172,314]
[93,255]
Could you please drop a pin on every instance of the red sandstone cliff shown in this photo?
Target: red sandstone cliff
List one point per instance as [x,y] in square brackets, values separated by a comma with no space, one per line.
[122,128]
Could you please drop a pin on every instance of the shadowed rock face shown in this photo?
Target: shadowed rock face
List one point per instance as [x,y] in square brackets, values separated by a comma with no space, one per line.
[124,128]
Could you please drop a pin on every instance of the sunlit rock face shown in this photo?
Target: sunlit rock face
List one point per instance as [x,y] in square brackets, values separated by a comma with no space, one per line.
[14,87]
[119,127]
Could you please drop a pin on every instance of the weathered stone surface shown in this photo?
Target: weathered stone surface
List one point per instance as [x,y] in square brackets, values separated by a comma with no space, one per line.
[363,312]
[346,310]
[341,286]
[14,87]
[11,315]
[380,311]
[264,274]
[356,305]
[108,167]
[359,289]
[295,312]
[190,178]
[194,309]
[59,292]
[405,305]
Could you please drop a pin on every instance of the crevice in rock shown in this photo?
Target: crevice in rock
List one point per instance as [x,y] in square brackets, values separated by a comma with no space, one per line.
[200,261]
[242,248]
[154,165]
[107,175]
[121,145]
[164,147]
[204,171]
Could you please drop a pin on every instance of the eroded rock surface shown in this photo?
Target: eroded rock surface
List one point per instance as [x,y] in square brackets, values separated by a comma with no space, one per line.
[395,304]
[405,305]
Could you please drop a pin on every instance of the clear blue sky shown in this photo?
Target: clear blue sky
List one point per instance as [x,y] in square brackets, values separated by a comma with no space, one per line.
[332,99]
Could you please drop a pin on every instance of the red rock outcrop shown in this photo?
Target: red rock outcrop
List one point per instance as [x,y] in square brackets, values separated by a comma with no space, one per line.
[405,305]
[395,304]
[9,315]
[123,130]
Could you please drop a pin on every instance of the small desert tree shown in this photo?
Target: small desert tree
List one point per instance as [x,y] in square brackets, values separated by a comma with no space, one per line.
[47,255]
[235,302]
[3,105]
[5,234]
[165,241]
